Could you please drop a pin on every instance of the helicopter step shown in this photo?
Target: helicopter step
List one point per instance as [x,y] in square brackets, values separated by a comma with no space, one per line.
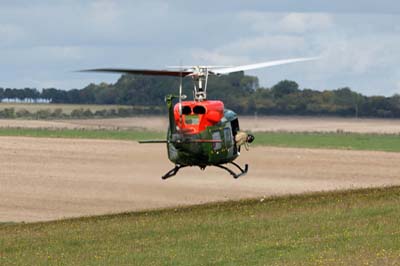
[177,167]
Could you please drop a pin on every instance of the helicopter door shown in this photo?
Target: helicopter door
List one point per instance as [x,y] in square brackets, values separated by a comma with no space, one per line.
[235,129]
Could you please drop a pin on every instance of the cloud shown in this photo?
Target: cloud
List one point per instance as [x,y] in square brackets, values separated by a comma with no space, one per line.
[284,23]
[11,34]
[288,6]
[103,13]
[360,54]
[305,22]
[269,46]
[360,51]
[217,58]
[359,40]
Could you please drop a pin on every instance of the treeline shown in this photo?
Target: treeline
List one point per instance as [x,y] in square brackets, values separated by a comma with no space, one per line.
[238,91]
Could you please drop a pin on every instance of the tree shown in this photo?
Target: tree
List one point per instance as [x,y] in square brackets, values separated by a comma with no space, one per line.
[284,87]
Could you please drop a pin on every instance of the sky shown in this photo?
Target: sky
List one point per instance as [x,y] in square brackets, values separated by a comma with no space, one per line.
[43,43]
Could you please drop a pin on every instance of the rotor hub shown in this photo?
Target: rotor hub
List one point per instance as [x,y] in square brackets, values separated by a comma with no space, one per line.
[200,80]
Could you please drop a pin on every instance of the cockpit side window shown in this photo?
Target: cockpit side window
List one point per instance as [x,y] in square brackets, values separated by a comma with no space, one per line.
[199,110]
[216,135]
[228,137]
[186,110]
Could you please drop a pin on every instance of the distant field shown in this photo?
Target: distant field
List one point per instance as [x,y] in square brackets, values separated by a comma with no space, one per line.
[338,228]
[350,141]
[67,108]
[254,124]
[320,124]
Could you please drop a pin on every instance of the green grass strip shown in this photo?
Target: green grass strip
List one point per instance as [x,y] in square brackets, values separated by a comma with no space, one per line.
[351,141]
[338,228]
[82,133]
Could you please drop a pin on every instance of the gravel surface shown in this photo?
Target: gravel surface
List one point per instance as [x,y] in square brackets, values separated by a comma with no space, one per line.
[46,179]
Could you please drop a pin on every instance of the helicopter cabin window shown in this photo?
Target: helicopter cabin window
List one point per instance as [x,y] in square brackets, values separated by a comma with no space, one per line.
[199,110]
[186,110]
[216,135]
[192,119]
[228,136]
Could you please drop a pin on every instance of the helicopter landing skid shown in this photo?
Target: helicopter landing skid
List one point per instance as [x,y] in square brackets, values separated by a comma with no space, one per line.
[177,167]
[235,175]
[173,171]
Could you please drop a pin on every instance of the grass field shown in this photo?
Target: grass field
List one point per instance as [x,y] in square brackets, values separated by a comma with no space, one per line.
[82,133]
[337,228]
[353,141]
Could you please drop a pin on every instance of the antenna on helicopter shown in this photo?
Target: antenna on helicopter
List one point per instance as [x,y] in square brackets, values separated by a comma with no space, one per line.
[180,96]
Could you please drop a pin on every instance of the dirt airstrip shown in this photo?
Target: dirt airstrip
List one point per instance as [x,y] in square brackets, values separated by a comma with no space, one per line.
[46,179]
[261,123]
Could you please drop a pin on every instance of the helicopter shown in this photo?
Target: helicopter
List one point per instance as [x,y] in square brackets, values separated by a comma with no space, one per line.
[202,132]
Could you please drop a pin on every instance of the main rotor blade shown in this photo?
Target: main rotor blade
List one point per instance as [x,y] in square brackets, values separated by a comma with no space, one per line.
[151,72]
[199,66]
[261,65]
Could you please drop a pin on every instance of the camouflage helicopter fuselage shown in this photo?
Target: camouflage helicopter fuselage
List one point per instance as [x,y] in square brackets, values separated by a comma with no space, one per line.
[202,134]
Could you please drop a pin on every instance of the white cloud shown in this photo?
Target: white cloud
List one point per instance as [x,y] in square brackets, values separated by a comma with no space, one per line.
[259,21]
[43,56]
[361,54]
[217,58]
[305,22]
[11,34]
[267,45]
[283,23]
[103,15]
[104,11]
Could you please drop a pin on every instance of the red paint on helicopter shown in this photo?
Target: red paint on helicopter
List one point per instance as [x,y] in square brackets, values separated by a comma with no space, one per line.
[197,116]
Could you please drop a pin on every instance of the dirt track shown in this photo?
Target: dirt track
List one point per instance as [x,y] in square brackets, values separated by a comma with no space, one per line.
[45,179]
[263,123]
